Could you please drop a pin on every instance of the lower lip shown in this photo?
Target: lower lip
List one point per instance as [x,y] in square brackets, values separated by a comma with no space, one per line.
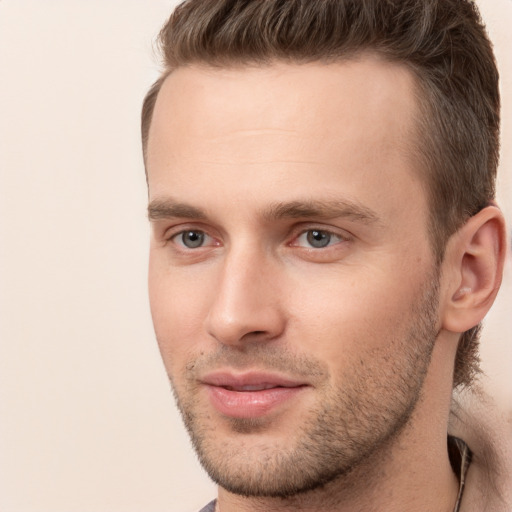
[250,404]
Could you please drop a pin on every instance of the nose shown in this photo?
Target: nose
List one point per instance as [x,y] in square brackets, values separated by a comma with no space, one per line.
[247,303]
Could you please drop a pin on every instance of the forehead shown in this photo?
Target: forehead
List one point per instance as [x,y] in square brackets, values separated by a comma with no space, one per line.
[312,99]
[347,126]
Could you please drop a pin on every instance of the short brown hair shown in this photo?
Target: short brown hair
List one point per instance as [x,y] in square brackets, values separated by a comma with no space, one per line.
[443,42]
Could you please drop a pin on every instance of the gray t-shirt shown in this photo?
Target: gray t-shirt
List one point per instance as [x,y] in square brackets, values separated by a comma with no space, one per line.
[210,507]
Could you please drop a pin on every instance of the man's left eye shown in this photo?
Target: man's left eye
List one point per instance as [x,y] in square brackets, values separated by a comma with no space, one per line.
[317,239]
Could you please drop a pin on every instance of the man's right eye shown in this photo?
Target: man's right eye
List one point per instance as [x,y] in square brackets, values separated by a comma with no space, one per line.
[192,239]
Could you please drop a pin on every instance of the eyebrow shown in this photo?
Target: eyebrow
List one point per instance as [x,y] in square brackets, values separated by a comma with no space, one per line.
[168,208]
[160,209]
[325,209]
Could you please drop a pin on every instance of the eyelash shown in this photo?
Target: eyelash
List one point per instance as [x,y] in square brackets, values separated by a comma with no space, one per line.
[325,235]
[174,236]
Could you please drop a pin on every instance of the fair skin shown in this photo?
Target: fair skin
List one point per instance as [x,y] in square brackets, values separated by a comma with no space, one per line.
[293,286]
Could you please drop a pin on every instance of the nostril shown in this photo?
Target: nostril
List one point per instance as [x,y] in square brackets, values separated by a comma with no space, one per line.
[254,335]
[231,322]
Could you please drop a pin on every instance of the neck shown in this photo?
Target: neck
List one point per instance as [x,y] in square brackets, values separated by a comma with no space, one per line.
[412,472]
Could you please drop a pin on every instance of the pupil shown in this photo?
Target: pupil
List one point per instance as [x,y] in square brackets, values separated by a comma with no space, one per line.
[318,238]
[193,239]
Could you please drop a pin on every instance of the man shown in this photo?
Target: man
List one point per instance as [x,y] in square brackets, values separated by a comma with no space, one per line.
[325,244]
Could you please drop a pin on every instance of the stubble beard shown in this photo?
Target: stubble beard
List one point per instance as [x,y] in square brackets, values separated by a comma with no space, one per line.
[349,427]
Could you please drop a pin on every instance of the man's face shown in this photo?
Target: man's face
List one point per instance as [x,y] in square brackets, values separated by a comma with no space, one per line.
[291,280]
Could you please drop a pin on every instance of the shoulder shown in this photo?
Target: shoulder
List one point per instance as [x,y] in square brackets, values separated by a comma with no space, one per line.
[487,430]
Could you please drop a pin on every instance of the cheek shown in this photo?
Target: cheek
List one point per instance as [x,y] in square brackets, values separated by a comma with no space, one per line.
[342,319]
[178,309]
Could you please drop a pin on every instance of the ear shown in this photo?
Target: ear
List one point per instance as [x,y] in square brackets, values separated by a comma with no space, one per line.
[473,267]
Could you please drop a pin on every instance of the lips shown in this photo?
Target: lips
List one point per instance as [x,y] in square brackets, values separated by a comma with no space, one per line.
[260,387]
[250,395]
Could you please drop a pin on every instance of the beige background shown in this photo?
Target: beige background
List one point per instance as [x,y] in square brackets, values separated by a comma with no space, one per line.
[87,422]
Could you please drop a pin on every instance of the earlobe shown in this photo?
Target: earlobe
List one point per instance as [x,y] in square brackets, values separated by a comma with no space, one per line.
[475,255]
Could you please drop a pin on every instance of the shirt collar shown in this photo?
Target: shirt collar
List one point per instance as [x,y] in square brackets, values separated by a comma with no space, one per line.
[460,459]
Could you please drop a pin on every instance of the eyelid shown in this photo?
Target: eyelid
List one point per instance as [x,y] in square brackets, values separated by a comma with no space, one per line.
[175,229]
[298,230]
